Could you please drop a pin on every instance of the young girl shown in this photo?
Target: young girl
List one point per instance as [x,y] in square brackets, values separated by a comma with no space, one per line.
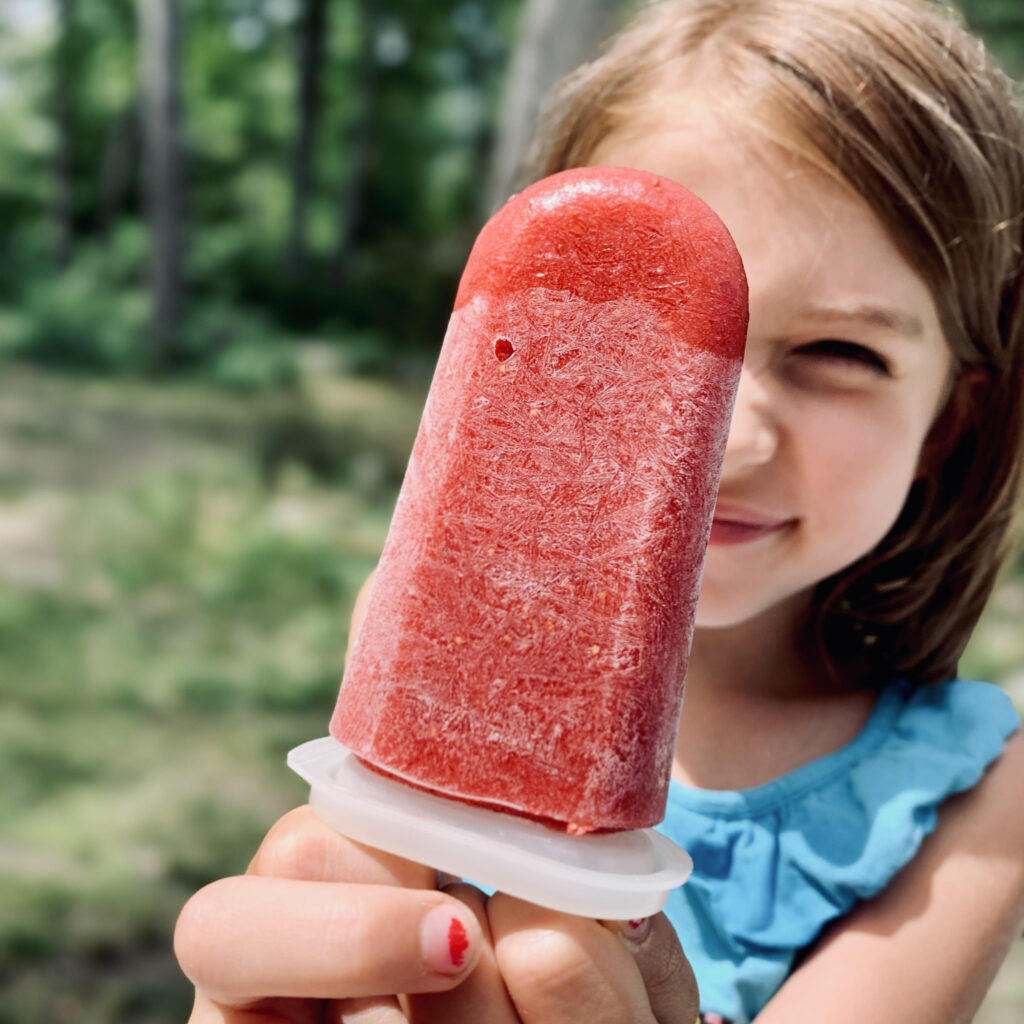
[852,808]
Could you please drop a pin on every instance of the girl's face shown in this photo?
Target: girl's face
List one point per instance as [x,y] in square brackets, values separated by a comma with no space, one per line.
[845,369]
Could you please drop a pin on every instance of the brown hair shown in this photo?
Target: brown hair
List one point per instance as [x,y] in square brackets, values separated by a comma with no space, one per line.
[895,99]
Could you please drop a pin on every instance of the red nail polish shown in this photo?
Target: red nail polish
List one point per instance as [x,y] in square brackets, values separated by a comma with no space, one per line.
[446,940]
[458,942]
[635,930]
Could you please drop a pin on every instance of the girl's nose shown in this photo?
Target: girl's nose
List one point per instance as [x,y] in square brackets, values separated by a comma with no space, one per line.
[754,431]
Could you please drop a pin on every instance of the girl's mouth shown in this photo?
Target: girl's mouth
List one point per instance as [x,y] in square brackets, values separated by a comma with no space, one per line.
[740,526]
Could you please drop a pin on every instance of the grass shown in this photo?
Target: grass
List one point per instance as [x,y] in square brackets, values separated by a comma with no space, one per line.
[177,566]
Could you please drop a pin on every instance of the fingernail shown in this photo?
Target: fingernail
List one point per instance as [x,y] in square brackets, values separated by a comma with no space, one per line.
[635,930]
[444,939]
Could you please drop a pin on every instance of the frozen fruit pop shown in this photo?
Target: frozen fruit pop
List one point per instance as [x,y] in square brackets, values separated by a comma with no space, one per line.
[527,632]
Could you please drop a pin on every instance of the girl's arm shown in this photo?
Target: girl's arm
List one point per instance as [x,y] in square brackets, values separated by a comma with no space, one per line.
[926,950]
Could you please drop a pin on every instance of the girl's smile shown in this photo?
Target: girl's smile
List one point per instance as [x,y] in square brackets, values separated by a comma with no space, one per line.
[736,525]
[845,370]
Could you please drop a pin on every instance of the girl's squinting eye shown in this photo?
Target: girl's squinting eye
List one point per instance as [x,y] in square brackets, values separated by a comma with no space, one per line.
[847,352]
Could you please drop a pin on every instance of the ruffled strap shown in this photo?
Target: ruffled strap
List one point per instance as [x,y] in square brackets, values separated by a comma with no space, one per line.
[940,742]
[774,864]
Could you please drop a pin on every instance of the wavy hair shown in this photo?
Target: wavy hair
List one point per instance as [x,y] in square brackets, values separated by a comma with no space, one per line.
[897,100]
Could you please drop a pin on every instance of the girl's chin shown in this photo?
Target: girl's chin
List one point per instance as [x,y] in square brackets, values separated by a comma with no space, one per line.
[724,618]
[712,622]
[720,612]
[724,610]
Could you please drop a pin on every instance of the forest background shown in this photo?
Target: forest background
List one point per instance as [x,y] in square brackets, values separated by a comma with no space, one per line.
[230,234]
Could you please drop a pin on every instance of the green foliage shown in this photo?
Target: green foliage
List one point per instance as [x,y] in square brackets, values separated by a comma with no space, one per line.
[66,321]
[1001,24]
[407,98]
[175,627]
[238,349]
[253,366]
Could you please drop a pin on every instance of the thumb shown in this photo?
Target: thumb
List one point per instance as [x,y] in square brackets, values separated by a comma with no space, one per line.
[668,977]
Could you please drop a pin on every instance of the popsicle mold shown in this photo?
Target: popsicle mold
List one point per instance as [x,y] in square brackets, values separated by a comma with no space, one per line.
[526,636]
[610,876]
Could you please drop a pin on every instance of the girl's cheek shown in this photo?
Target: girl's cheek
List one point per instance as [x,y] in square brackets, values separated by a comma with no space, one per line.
[866,457]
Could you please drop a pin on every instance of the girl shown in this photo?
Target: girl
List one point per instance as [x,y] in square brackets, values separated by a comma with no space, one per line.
[852,807]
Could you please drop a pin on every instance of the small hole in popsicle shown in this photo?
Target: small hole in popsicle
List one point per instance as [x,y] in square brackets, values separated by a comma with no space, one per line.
[503,349]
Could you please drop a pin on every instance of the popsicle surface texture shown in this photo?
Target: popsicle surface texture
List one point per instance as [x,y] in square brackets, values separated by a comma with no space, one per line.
[526,635]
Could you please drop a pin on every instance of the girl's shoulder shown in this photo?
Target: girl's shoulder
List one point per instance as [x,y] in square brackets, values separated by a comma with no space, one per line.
[965,714]
[949,917]
[937,740]
[850,820]
[932,741]
[775,865]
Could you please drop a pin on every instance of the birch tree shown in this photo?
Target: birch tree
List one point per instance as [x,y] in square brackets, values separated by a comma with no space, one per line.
[310,58]
[63,202]
[159,24]
[357,141]
[554,37]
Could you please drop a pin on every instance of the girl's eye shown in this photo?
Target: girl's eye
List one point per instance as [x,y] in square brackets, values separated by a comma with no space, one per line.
[850,352]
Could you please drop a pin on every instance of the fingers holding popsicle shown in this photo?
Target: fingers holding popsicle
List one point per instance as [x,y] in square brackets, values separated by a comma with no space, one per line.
[320,917]
[300,846]
[245,939]
[558,968]
[667,975]
[482,996]
[551,968]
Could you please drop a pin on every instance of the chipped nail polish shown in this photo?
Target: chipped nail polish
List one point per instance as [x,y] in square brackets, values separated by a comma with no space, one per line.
[444,941]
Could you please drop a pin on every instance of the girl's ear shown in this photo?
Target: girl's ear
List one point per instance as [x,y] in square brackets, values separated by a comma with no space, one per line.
[961,410]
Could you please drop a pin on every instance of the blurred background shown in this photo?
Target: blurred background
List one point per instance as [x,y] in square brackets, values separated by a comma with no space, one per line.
[230,234]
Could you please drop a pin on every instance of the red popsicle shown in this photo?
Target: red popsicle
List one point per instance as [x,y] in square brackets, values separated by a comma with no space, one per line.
[526,635]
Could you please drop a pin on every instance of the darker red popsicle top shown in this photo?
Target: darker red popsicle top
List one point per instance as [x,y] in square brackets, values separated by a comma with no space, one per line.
[604,233]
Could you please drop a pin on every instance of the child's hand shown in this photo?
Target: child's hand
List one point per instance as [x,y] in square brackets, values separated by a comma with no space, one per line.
[550,968]
[317,918]
[322,928]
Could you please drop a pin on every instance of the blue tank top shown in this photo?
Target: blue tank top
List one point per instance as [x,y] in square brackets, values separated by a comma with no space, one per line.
[774,864]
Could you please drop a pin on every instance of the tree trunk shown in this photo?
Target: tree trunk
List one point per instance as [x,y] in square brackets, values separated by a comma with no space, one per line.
[554,37]
[163,173]
[118,167]
[310,56]
[63,115]
[358,142]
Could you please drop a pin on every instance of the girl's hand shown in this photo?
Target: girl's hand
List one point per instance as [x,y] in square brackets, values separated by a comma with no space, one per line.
[322,928]
[550,968]
[320,918]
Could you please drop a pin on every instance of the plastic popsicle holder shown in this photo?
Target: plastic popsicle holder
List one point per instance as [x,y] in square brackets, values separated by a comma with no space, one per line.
[609,876]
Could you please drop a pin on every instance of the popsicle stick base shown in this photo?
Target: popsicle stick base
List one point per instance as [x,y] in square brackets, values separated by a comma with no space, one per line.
[609,876]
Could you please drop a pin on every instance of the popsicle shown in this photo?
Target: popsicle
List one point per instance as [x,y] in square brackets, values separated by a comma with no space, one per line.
[526,636]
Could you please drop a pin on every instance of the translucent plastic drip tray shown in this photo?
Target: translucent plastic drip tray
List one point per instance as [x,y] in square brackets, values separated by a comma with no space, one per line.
[609,876]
